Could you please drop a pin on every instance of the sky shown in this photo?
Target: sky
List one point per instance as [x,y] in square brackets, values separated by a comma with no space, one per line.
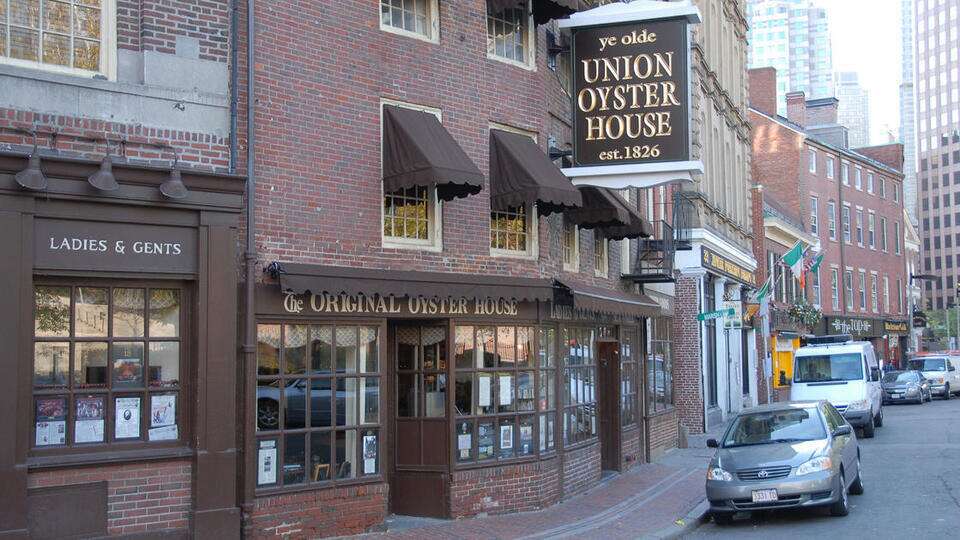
[865,36]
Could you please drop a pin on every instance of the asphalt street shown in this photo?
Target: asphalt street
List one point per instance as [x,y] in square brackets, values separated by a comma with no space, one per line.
[911,473]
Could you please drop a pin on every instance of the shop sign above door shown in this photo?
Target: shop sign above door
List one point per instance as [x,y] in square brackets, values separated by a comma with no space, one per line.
[377,304]
[61,244]
[631,94]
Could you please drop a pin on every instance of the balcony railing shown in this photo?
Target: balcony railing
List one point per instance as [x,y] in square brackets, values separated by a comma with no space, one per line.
[654,261]
[780,319]
[684,216]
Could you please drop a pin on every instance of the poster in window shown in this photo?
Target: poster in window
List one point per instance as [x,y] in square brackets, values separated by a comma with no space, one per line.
[88,423]
[526,439]
[506,390]
[163,410]
[485,440]
[51,421]
[506,437]
[127,371]
[485,392]
[369,454]
[127,419]
[267,462]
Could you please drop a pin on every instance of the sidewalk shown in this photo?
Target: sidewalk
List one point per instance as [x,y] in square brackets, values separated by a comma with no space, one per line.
[656,500]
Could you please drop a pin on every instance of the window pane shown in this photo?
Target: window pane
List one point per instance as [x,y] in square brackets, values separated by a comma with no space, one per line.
[486,439]
[56,49]
[268,349]
[370,452]
[56,16]
[484,386]
[506,393]
[320,456]
[51,421]
[347,350]
[506,346]
[164,363]
[267,461]
[464,394]
[321,349]
[408,348]
[464,348]
[465,441]
[268,405]
[525,439]
[126,419]
[51,364]
[406,395]
[547,352]
[86,54]
[90,312]
[90,365]
[87,22]
[128,312]
[321,402]
[370,399]
[526,397]
[347,402]
[526,344]
[486,350]
[88,424]
[295,348]
[164,313]
[369,355]
[507,438]
[52,316]
[295,409]
[547,429]
[127,364]
[24,44]
[435,395]
[346,461]
[293,454]
[434,348]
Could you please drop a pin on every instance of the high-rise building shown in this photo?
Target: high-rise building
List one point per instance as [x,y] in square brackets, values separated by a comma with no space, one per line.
[853,108]
[938,134]
[908,103]
[792,36]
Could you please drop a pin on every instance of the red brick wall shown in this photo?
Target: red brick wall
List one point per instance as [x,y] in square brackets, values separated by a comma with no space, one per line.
[581,469]
[500,490]
[687,390]
[663,433]
[631,449]
[890,155]
[141,497]
[153,25]
[318,513]
[763,89]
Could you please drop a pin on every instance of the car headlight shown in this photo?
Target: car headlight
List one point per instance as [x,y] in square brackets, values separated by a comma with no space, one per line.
[817,464]
[912,388]
[938,380]
[718,474]
[858,405]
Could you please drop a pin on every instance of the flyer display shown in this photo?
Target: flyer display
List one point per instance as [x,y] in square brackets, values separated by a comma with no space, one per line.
[89,419]
[127,420]
[51,423]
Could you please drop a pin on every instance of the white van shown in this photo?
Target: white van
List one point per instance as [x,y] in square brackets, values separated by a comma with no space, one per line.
[843,372]
[941,370]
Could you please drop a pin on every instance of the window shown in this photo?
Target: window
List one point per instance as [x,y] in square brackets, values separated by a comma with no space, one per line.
[497,402]
[830,168]
[835,288]
[871,230]
[883,233]
[318,403]
[896,192]
[860,227]
[863,291]
[571,247]
[886,294]
[874,298]
[513,232]
[858,179]
[883,188]
[813,215]
[600,267]
[417,18]
[896,237]
[660,364]
[508,33]
[899,296]
[73,36]
[578,387]
[630,377]
[106,365]
[813,161]
[848,288]
[870,182]
[845,219]
[832,219]
[845,173]
[816,288]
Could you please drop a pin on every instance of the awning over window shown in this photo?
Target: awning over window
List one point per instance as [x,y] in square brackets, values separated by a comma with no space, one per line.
[543,10]
[604,209]
[300,278]
[609,301]
[520,174]
[637,228]
[419,152]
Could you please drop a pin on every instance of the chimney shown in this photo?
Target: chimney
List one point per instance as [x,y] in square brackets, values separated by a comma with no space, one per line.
[797,108]
[822,111]
[763,90]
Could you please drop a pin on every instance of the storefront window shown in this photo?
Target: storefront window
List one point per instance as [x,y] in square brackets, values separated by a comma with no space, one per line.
[710,304]
[106,365]
[496,399]
[579,384]
[660,365]
[511,232]
[628,377]
[318,403]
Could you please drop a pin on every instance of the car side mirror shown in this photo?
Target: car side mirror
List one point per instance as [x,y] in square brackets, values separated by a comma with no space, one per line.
[842,430]
[874,374]
[712,443]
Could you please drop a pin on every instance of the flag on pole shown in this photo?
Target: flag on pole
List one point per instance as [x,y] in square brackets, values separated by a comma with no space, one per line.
[815,262]
[794,259]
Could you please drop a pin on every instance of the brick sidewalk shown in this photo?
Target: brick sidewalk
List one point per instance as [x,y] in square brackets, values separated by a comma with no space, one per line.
[645,501]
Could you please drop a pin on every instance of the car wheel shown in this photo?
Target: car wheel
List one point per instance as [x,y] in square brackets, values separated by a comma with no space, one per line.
[869,429]
[879,419]
[856,488]
[723,519]
[946,392]
[268,414]
[842,506]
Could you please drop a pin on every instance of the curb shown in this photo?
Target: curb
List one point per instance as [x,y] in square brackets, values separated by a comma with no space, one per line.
[685,525]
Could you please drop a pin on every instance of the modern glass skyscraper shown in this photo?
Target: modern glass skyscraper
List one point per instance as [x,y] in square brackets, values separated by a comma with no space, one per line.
[794,37]
[908,103]
[854,108]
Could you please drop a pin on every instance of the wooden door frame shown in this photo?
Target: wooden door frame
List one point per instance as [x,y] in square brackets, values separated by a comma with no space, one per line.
[610,397]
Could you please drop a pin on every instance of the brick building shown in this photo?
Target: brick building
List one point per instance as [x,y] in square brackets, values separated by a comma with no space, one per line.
[851,200]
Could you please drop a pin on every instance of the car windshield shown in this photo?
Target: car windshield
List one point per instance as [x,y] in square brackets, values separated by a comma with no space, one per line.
[829,367]
[900,376]
[789,425]
[928,364]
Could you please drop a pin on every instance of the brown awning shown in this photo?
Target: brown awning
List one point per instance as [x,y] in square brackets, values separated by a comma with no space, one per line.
[300,278]
[543,10]
[604,209]
[609,301]
[637,228]
[520,173]
[419,152]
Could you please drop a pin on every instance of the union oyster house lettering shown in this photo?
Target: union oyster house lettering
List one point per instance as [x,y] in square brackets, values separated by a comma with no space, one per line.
[393,305]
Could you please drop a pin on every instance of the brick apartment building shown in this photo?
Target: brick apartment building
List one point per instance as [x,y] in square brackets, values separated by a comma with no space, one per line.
[851,200]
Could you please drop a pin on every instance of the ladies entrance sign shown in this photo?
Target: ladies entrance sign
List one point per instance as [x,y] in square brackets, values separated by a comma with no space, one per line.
[631,94]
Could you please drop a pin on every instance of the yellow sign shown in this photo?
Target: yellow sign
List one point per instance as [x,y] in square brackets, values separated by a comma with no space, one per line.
[722,265]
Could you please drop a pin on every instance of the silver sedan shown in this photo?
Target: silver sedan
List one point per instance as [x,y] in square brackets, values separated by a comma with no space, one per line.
[784,455]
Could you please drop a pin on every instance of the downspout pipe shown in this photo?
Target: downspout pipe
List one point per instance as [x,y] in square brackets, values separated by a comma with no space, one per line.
[250,263]
[234,81]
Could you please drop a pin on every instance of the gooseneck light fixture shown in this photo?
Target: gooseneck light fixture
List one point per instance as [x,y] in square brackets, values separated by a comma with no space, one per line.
[174,188]
[103,179]
[32,177]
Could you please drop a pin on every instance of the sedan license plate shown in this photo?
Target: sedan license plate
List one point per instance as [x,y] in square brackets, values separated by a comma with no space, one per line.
[896,396]
[765,495]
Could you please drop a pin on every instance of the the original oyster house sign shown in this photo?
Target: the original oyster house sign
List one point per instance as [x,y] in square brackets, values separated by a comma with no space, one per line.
[631,94]
[396,305]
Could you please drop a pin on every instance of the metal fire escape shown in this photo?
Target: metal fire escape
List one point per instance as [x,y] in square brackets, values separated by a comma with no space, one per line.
[654,260]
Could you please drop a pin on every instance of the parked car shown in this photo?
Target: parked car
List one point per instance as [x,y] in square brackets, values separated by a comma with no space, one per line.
[784,455]
[843,372]
[940,370]
[902,386]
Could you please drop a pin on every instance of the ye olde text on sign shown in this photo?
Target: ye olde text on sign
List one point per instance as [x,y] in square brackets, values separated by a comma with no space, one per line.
[631,97]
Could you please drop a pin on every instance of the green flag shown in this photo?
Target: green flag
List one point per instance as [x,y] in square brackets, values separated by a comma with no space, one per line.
[763,292]
[794,259]
[816,263]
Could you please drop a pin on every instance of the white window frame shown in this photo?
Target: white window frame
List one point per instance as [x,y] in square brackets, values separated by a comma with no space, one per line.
[108,49]
[604,256]
[862,275]
[870,180]
[845,173]
[574,265]
[433,24]
[816,288]
[858,178]
[886,294]
[845,225]
[830,166]
[434,241]
[884,245]
[532,251]
[814,215]
[531,61]
[812,161]
[848,291]
[835,288]
[832,220]
[896,237]
[872,230]
[874,292]
[859,227]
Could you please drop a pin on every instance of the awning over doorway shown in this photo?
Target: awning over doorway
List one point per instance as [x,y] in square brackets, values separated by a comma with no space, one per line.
[301,278]
[543,10]
[419,152]
[608,211]
[520,174]
[590,298]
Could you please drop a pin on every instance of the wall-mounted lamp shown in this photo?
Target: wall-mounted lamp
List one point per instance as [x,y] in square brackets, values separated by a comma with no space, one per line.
[174,188]
[104,179]
[32,177]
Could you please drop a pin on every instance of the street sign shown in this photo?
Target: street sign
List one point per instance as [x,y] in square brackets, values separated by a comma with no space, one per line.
[718,314]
